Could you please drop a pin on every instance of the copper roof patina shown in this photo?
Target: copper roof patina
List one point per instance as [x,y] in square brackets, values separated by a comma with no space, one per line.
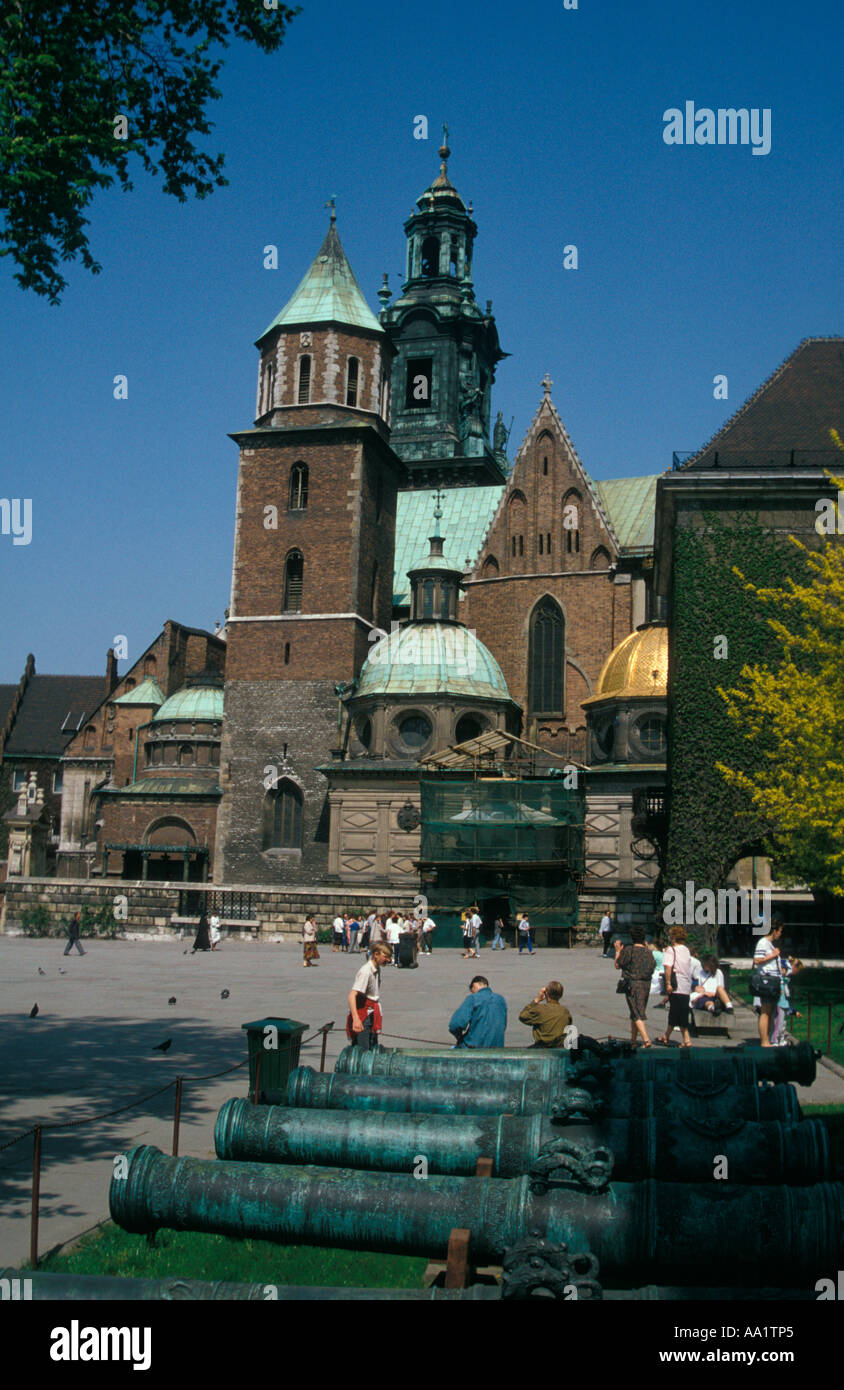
[328,293]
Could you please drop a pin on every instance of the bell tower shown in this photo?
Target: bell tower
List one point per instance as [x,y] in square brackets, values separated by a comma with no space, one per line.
[446,348]
[313,568]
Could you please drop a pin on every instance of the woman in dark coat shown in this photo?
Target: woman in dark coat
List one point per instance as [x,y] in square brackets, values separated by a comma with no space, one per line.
[636,964]
[203,936]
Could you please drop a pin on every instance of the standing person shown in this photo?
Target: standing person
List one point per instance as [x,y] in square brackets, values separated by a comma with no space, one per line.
[338,928]
[214,931]
[467,932]
[636,964]
[498,934]
[309,941]
[393,932]
[73,933]
[605,930]
[364,1021]
[202,940]
[377,932]
[677,968]
[547,1016]
[766,978]
[429,926]
[788,967]
[366,940]
[473,940]
[353,927]
[524,933]
[481,1020]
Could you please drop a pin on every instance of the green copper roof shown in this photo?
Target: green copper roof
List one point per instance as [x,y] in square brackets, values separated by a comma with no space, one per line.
[149,692]
[432,659]
[194,702]
[630,503]
[467,513]
[329,293]
[165,787]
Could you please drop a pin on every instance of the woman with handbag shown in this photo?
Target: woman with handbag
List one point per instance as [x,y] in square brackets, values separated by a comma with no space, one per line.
[636,964]
[766,980]
[677,965]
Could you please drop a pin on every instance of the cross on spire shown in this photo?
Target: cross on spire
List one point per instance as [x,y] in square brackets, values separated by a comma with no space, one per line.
[330,204]
[547,383]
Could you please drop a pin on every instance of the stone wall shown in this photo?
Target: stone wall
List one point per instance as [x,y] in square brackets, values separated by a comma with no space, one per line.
[153,908]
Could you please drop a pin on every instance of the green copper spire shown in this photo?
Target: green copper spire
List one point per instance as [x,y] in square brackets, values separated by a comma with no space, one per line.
[329,292]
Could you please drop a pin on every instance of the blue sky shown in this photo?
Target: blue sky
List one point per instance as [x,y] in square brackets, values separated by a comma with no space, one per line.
[693,261]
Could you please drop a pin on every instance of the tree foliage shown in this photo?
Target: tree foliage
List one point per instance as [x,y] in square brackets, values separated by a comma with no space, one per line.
[791,711]
[70,70]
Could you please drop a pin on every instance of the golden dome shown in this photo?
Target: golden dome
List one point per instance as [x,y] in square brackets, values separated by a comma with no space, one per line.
[637,666]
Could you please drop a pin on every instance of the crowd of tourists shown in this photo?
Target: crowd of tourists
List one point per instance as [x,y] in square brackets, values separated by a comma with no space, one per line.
[408,937]
[675,979]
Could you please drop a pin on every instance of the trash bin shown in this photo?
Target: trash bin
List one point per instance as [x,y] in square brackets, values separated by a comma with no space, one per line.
[272,1057]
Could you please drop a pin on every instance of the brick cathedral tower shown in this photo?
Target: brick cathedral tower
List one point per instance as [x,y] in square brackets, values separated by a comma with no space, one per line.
[313,569]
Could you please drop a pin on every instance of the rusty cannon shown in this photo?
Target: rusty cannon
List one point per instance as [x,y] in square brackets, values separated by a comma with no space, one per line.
[679,1095]
[626,1228]
[668,1149]
[468,1063]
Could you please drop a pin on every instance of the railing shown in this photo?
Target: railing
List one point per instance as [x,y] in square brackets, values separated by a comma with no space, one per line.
[815,459]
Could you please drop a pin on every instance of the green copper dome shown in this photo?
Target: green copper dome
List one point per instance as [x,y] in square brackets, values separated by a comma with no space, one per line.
[195,702]
[432,659]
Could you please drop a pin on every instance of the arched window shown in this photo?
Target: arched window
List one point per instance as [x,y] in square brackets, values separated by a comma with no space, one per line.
[298,499]
[490,568]
[428,598]
[600,559]
[541,542]
[571,522]
[304,380]
[149,666]
[185,755]
[546,660]
[285,820]
[545,466]
[430,256]
[293,575]
[352,381]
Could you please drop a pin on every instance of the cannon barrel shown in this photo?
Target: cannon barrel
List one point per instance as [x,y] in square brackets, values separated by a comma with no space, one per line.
[796,1063]
[671,1150]
[630,1227]
[467,1064]
[77,1288]
[670,1094]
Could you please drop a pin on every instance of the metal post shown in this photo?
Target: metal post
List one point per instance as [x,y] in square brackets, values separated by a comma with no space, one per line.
[325,1029]
[36,1193]
[257,1090]
[177,1115]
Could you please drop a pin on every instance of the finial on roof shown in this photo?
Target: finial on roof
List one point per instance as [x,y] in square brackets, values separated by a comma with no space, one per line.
[330,204]
[438,510]
[444,152]
[547,383]
[384,292]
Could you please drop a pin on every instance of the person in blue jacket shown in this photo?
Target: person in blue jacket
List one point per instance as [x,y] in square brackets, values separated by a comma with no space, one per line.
[481,1019]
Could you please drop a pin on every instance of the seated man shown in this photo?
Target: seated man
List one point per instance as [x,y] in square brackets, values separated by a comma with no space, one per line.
[709,992]
[548,1018]
[481,1019]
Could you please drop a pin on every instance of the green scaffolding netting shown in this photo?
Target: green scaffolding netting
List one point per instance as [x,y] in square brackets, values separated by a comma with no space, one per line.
[514,841]
[514,820]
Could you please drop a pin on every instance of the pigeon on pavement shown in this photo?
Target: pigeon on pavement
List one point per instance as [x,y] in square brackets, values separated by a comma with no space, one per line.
[41,972]
[172,999]
[225,994]
[162,1047]
[33,1011]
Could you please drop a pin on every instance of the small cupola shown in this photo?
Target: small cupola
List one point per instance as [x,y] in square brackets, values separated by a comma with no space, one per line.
[435,583]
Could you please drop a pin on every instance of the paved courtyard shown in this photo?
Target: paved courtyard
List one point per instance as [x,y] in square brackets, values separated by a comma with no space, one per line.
[90,1049]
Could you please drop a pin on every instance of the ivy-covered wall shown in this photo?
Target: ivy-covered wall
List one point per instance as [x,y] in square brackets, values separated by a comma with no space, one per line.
[711,825]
